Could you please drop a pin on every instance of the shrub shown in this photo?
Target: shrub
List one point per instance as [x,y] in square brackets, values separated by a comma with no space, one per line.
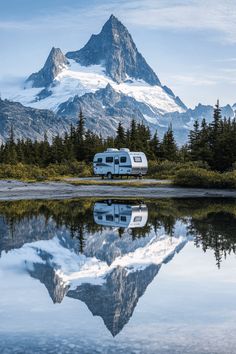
[21,171]
[199,177]
[168,169]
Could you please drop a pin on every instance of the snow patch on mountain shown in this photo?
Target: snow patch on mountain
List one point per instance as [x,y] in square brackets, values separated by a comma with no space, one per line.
[79,80]
[75,269]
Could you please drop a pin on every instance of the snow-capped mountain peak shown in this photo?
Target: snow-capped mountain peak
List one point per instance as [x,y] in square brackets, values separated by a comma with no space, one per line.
[55,63]
[115,49]
[108,79]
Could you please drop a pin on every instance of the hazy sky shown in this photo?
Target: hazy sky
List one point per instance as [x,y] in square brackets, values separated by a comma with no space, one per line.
[191,44]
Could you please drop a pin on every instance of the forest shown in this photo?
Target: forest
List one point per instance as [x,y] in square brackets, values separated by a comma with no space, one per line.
[209,152]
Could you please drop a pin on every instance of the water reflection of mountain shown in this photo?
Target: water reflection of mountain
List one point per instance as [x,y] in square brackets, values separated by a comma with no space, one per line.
[116,299]
[110,291]
[116,264]
[14,234]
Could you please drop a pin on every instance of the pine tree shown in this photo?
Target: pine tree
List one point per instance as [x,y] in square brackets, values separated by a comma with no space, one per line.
[11,154]
[155,147]
[168,147]
[194,141]
[80,132]
[120,140]
[133,135]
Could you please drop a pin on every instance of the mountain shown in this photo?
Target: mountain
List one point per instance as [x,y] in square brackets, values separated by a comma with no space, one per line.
[114,48]
[54,64]
[108,78]
[183,122]
[28,122]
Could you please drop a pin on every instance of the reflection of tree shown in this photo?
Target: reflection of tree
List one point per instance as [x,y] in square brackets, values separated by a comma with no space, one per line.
[212,223]
[215,231]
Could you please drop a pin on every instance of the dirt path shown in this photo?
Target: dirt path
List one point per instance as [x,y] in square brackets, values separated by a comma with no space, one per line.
[15,190]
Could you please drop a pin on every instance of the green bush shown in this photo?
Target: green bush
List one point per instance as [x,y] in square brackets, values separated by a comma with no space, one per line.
[199,177]
[32,172]
[168,169]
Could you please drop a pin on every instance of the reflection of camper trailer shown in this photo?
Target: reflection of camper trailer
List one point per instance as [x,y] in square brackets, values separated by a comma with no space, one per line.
[114,162]
[119,214]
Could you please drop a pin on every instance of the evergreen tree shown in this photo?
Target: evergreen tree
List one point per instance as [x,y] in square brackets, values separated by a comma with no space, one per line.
[133,135]
[194,141]
[80,132]
[168,147]
[120,140]
[155,147]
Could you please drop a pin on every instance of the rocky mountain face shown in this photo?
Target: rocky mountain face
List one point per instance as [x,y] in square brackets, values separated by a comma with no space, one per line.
[28,122]
[48,276]
[104,109]
[114,48]
[54,64]
[14,235]
[117,298]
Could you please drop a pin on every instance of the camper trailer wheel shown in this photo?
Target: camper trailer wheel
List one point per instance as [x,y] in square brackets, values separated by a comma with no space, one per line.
[109,175]
[140,176]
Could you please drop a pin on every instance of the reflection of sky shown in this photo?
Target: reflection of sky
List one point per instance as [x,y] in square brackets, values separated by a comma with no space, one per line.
[190,303]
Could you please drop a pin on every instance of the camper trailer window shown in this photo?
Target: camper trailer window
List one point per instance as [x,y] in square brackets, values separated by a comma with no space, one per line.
[109,217]
[123,218]
[109,159]
[138,219]
[99,160]
[137,159]
[123,159]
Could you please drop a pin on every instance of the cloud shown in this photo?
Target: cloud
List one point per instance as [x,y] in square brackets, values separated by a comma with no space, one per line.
[193,80]
[200,15]
[223,76]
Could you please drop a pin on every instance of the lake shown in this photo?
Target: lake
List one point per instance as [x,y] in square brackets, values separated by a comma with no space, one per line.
[118,276]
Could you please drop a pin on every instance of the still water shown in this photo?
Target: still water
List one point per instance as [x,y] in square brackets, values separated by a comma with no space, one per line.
[118,276]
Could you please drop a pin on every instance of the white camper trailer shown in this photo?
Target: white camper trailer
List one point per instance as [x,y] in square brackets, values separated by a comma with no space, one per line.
[114,162]
[119,214]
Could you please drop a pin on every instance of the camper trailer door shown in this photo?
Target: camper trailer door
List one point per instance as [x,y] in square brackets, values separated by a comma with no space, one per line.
[117,165]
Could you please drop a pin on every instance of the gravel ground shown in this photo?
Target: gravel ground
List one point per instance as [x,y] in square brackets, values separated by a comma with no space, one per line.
[15,190]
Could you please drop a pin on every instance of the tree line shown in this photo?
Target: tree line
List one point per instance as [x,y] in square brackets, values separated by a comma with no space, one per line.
[81,145]
[214,144]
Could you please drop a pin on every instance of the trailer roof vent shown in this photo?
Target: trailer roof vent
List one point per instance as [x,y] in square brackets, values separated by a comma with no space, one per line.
[112,150]
[124,149]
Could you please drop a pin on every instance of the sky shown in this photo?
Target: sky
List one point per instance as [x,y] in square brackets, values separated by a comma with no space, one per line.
[190,44]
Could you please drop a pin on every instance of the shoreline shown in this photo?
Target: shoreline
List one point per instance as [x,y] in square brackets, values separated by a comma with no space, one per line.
[16,190]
